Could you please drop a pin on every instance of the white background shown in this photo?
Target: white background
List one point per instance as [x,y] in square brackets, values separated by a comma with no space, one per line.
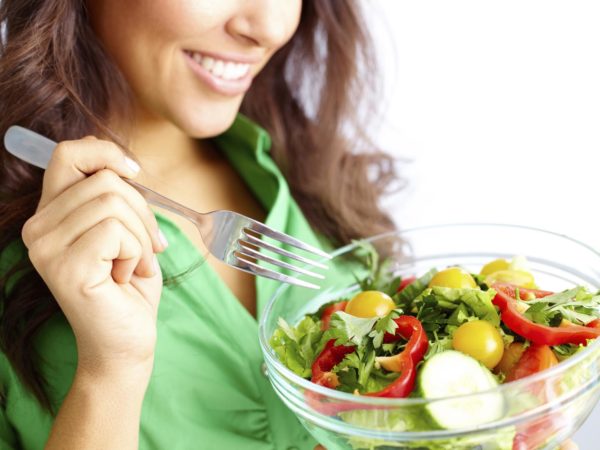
[497,104]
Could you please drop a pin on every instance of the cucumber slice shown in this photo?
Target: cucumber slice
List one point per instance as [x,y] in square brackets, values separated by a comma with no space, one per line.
[452,373]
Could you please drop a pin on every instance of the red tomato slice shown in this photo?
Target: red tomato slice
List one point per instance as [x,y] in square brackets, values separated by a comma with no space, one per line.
[536,434]
[535,359]
[533,435]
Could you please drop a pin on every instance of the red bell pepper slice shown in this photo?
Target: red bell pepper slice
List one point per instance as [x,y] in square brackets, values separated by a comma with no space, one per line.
[405,282]
[409,328]
[331,356]
[329,311]
[594,324]
[535,332]
[322,374]
[406,361]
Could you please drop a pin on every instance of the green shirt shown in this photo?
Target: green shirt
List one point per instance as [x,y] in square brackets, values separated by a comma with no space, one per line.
[208,389]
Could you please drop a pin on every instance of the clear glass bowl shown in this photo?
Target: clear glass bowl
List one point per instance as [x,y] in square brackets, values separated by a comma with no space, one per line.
[543,409]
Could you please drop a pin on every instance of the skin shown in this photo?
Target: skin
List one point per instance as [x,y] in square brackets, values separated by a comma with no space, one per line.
[93,238]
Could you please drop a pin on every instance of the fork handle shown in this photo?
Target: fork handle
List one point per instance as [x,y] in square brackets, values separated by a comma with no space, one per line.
[37,150]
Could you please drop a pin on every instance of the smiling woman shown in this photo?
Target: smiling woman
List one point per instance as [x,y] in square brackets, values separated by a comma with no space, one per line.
[109,339]
[192,61]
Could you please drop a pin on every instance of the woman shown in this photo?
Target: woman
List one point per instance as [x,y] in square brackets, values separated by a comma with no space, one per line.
[114,333]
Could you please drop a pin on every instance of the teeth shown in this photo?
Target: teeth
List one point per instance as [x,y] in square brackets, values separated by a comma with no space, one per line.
[229,71]
[207,62]
[226,70]
[218,69]
[243,70]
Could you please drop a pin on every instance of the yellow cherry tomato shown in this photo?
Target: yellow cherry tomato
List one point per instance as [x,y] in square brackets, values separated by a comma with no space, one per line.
[481,340]
[453,277]
[369,304]
[519,278]
[495,266]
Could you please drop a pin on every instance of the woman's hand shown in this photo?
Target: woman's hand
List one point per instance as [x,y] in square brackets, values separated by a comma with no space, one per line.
[93,239]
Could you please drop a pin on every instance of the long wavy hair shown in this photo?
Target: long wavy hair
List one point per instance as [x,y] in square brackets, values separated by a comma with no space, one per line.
[56,78]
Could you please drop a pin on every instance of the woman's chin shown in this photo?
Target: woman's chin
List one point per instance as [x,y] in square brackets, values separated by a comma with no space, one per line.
[207,123]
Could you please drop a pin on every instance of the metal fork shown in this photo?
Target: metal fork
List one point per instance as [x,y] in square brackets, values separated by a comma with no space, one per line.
[229,236]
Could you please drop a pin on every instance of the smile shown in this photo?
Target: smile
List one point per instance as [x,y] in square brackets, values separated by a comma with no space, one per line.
[226,70]
[225,76]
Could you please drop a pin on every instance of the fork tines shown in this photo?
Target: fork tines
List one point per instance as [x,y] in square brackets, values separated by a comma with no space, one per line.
[248,253]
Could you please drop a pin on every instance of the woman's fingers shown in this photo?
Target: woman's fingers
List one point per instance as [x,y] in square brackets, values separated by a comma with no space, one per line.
[72,161]
[87,173]
[104,207]
[104,182]
[107,241]
[112,246]
[74,272]
[123,269]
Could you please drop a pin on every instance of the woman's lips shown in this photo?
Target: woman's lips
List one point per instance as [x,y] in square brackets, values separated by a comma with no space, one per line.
[224,76]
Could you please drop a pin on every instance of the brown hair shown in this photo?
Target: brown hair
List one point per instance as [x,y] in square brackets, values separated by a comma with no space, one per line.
[56,78]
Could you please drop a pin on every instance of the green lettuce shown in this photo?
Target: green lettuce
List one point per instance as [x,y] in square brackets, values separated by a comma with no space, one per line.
[297,347]
[406,297]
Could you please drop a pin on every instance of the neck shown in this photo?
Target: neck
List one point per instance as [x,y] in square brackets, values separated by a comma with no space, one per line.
[162,149]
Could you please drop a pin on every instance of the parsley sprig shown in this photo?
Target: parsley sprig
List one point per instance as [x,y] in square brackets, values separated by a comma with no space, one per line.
[576,305]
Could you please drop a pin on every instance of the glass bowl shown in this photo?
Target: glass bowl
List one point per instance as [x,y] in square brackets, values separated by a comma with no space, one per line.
[538,412]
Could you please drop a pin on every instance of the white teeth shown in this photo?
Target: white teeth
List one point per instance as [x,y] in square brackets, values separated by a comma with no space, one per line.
[207,61]
[230,71]
[218,68]
[226,70]
[243,70]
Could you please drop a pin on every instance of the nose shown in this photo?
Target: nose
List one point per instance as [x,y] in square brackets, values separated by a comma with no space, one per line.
[265,23]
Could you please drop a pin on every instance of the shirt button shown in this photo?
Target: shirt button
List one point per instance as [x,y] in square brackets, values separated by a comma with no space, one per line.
[264,370]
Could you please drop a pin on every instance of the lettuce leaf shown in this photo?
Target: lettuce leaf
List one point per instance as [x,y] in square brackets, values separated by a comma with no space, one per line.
[297,347]
[406,298]
[348,329]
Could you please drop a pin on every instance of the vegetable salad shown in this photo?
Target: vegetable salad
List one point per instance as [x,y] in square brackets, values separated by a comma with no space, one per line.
[444,333]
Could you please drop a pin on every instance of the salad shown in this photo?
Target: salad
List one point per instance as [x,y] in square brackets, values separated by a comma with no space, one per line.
[445,333]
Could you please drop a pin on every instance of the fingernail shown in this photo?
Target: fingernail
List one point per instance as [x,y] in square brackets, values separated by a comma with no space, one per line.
[132,164]
[162,239]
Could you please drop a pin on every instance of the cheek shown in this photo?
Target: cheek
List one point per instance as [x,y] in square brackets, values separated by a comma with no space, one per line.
[144,37]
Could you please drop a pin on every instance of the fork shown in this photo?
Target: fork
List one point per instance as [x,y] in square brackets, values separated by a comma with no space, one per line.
[231,237]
